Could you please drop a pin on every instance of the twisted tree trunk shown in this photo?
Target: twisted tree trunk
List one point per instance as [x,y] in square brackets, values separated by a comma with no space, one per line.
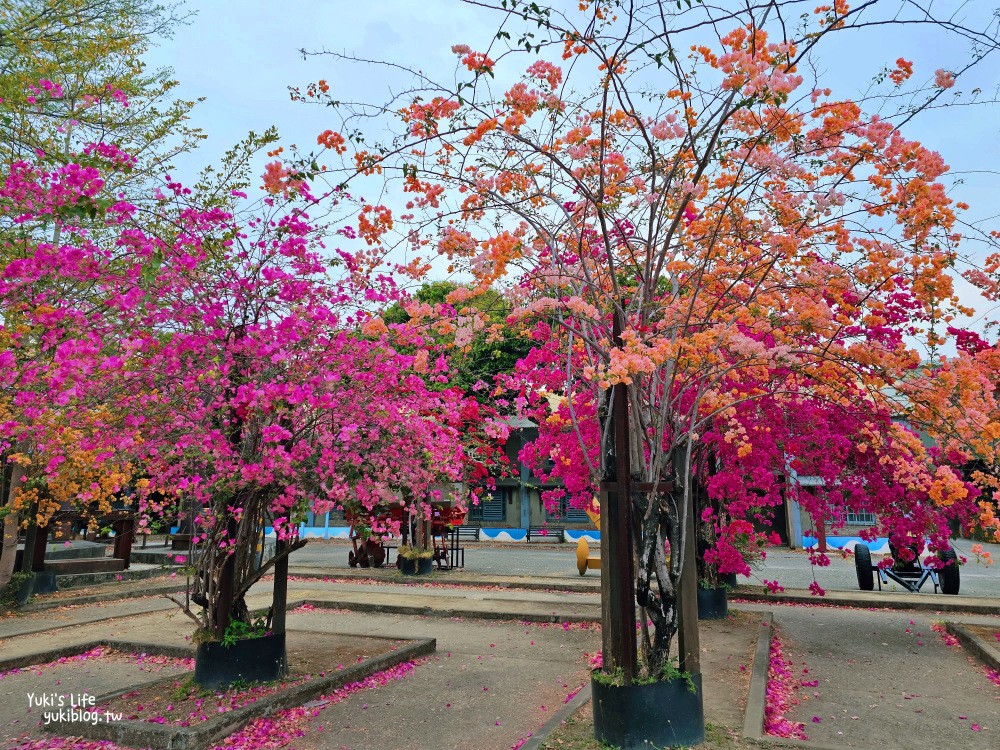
[13,472]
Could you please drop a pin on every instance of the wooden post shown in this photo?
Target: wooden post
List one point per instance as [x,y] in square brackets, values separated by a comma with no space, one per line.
[618,570]
[821,535]
[124,536]
[279,600]
[38,549]
[687,603]
[30,554]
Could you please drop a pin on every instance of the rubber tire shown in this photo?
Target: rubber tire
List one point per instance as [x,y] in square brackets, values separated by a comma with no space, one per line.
[949,577]
[863,566]
[376,554]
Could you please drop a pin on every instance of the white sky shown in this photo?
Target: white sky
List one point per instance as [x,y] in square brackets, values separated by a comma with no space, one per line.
[243,56]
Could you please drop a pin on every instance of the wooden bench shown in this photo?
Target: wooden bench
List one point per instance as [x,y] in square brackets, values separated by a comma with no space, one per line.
[547,533]
[467,533]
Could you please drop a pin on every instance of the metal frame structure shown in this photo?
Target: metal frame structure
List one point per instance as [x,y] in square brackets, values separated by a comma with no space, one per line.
[911,576]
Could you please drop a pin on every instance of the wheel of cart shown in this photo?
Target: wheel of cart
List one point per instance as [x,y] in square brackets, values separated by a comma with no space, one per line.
[367,550]
[949,577]
[368,554]
[863,566]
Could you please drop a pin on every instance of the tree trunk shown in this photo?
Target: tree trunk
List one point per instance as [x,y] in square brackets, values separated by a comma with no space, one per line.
[10,527]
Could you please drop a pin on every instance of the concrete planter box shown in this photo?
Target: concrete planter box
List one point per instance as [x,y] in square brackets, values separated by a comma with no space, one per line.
[143,734]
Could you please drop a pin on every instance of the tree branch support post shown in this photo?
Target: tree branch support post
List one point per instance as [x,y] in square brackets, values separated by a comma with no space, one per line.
[687,623]
[279,601]
[618,570]
[31,559]
[124,537]
[37,550]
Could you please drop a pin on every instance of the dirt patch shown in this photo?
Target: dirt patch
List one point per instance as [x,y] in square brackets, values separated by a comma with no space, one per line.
[989,633]
[726,663]
[181,702]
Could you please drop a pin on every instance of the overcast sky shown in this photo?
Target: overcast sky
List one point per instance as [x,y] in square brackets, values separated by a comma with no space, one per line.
[242,57]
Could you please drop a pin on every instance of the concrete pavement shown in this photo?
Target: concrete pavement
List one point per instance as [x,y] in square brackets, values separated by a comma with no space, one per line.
[558,562]
[886,679]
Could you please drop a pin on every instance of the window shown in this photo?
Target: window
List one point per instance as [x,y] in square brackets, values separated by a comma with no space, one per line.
[860,518]
[491,509]
[567,514]
[336,518]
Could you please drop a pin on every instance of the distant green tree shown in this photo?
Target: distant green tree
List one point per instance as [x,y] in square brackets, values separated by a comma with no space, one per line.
[72,73]
[493,350]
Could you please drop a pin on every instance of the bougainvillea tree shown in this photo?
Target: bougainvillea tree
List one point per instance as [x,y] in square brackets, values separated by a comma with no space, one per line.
[63,306]
[866,461]
[272,395]
[956,400]
[684,171]
[218,361]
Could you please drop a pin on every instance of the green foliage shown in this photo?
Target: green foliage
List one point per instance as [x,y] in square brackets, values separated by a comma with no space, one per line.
[189,688]
[414,553]
[93,51]
[487,356]
[8,594]
[670,672]
[237,630]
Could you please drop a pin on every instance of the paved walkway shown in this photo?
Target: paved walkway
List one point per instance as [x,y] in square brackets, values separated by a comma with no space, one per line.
[886,679]
[485,688]
[489,685]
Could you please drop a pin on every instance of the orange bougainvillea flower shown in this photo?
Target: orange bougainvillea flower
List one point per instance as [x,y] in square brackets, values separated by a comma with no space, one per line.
[331,139]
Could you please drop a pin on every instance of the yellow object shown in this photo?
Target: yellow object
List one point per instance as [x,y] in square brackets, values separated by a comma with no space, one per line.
[584,561]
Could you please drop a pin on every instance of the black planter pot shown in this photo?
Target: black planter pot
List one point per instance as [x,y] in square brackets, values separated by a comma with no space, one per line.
[25,590]
[253,660]
[640,717]
[712,604]
[419,566]
[44,582]
[730,579]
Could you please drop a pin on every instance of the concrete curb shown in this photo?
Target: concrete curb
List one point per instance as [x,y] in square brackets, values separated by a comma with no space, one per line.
[879,600]
[573,705]
[753,718]
[804,744]
[538,583]
[983,650]
[100,597]
[468,614]
[70,581]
